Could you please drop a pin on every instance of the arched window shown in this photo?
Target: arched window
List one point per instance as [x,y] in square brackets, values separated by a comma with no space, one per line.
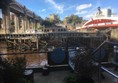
[12,18]
[12,22]
[20,21]
[30,23]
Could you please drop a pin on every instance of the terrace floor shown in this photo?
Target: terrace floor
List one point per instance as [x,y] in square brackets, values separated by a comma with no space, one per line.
[58,77]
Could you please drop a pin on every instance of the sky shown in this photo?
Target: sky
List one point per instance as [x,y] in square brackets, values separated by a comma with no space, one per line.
[0,13]
[64,8]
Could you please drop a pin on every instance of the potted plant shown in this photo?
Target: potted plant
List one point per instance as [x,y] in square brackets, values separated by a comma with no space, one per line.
[84,66]
[12,69]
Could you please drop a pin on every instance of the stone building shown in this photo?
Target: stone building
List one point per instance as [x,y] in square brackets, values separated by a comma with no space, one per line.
[16,18]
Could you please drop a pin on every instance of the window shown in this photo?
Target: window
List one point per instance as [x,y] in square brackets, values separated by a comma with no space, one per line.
[47,30]
[12,22]
[20,21]
[58,29]
[61,29]
[53,30]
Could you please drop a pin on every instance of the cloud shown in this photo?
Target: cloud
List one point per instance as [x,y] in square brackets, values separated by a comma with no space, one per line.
[81,8]
[80,12]
[43,10]
[69,7]
[59,8]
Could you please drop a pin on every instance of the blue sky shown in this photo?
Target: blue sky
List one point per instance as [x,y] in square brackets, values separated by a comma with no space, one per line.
[82,8]
[0,13]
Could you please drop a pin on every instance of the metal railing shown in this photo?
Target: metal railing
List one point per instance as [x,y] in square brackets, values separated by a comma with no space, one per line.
[109,72]
[99,62]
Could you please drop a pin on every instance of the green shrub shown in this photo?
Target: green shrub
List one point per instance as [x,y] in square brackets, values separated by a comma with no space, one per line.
[12,69]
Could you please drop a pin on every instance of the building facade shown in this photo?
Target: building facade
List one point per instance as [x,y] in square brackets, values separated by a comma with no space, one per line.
[16,18]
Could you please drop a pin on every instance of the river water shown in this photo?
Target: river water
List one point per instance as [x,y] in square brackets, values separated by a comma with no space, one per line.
[35,60]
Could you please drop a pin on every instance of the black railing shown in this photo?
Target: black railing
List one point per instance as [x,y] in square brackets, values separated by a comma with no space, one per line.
[99,62]
[109,72]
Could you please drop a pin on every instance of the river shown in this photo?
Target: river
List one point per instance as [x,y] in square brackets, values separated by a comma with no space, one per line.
[35,60]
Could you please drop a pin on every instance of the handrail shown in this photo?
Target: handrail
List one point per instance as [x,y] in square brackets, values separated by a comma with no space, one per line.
[112,43]
[100,66]
[99,47]
[106,70]
[106,41]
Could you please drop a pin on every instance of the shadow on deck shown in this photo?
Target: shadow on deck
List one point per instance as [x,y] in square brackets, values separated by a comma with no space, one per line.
[57,76]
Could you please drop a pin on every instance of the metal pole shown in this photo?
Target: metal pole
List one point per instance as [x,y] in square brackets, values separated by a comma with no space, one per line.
[99,74]
[109,72]
[66,49]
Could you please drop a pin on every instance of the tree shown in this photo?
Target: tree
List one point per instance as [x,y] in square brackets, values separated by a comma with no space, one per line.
[47,23]
[54,18]
[73,19]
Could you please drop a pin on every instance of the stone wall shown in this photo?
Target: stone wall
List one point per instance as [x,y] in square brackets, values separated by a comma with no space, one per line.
[114,34]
